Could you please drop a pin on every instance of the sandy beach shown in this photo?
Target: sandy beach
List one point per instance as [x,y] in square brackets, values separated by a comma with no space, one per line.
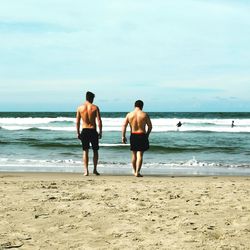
[69,211]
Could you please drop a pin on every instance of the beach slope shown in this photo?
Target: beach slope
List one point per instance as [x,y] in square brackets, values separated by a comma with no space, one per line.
[69,211]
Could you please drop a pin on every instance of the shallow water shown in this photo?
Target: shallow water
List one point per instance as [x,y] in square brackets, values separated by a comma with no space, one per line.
[205,143]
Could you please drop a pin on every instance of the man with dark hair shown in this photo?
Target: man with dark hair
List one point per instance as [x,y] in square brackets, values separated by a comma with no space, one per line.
[89,113]
[138,120]
[139,104]
[90,96]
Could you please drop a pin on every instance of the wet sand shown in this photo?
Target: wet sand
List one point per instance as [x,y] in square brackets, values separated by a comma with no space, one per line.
[69,211]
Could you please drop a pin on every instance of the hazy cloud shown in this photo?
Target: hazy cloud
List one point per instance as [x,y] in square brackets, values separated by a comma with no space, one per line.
[126,49]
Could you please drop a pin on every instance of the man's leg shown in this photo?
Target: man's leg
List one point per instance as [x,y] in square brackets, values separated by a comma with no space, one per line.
[95,161]
[133,161]
[139,159]
[86,161]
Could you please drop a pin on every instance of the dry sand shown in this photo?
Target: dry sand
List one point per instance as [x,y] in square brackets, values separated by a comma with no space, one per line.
[69,211]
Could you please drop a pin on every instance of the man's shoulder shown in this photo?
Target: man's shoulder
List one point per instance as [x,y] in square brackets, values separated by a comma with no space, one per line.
[81,107]
[147,115]
[94,107]
[87,106]
[142,113]
[129,114]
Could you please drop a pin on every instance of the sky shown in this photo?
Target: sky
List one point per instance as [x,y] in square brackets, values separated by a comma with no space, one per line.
[181,55]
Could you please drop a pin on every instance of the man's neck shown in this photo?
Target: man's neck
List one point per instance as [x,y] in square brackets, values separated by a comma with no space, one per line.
[137,109]
[87,102]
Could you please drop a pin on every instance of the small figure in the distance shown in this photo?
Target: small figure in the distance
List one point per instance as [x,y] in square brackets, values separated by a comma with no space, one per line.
[232,124]
[178,125]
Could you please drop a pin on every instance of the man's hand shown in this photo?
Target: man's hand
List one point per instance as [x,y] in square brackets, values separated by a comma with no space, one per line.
[100,135]
[124,139]
[79,136]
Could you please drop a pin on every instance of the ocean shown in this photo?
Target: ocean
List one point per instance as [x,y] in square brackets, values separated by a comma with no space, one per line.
[205,144]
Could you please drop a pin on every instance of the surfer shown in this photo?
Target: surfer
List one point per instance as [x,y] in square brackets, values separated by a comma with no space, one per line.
[178,125]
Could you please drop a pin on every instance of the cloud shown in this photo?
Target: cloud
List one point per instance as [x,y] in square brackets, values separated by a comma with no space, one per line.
[196,90]
[137,48]
[31,27]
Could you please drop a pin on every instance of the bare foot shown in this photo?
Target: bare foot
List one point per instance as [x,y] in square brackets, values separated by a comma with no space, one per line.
[86,173]
[95,172]
[138,175]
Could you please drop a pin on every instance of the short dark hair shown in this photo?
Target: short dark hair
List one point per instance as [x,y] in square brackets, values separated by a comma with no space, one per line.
[90,96]
[139,104]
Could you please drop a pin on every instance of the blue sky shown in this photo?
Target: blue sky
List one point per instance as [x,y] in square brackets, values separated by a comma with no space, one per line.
[182,55]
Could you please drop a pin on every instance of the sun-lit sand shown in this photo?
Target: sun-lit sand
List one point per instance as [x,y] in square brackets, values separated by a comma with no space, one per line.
[69,211]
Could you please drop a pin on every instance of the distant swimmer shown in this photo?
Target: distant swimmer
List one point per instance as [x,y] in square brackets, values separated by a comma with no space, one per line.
[179,124]
[232,124]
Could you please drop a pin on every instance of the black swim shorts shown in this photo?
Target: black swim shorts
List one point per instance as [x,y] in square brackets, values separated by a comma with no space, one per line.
[89,135]
[139,142]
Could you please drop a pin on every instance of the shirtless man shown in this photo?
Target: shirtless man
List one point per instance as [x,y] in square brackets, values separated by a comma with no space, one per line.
[89,113]
[139,143]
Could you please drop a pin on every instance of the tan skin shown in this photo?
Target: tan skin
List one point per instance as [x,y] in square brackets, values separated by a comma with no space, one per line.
[89,114]
[139,122]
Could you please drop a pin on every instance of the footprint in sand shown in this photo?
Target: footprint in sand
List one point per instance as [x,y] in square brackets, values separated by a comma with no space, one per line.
[11,244]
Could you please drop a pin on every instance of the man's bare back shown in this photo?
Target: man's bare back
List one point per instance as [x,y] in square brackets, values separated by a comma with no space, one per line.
[138,120]
[88,113]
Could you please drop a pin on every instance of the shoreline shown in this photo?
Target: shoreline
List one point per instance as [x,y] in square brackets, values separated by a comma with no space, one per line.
[69,175]
[127,171]
[70,211]
[37,176]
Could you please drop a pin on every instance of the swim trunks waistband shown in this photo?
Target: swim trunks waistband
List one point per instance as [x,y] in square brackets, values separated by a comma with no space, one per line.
[138,133]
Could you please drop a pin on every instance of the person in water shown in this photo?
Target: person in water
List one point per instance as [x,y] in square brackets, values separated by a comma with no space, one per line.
[179,124]
[232,124]
[89,114]
[140,126]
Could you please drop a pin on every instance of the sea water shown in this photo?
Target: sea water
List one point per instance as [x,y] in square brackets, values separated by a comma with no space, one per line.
[205,144]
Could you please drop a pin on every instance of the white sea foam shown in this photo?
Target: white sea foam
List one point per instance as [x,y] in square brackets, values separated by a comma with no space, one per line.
[66,163]
[155,129]
[33,121]
[113,145]
[115,124]
[13,127]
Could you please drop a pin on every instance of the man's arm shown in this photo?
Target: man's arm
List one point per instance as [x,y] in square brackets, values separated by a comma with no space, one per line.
[78,123]
[99,122]
[124,128]
[149,124]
